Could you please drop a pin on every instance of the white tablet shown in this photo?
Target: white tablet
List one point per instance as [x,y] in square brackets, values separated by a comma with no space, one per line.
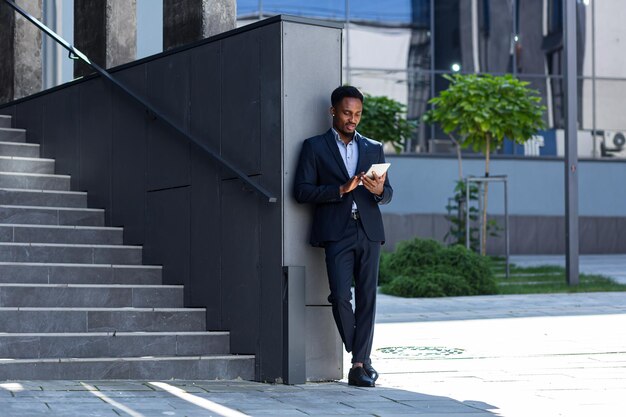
[379,169]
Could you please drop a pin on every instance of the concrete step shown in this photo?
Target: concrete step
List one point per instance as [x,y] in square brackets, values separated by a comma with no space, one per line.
[51,215]
[91,295]
[160,368]
[34,181]
[29,165]
[79,320]
[28,150]
[107,344]
[28,233]
[56,273]
[8,134]
[5,120]
[70,253]
[43,198]
[77,304]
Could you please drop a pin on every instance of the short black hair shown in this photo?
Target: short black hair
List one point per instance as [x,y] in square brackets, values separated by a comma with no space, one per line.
[345,91]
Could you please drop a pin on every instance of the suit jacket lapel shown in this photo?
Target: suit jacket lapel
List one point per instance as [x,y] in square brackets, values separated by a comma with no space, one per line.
[332,146]
[363,165]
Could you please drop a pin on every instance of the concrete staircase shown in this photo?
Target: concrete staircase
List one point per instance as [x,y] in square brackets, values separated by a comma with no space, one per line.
[75,303]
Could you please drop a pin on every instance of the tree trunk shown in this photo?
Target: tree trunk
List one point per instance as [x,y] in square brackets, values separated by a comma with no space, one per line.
[483,243]
[459,159]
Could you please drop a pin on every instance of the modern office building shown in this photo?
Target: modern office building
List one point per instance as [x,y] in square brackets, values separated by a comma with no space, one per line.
[401,48]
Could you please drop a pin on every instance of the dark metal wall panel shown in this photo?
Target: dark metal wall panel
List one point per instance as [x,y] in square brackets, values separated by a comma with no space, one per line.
[9,111]
[241,140]
[60,137]
[205,123]
[30,113]
[205,95]
[167,234]
[270,349]
[271,346]
[94,133]
[270,107]
[128,151]
[240,241]
[168,153]
[205,258]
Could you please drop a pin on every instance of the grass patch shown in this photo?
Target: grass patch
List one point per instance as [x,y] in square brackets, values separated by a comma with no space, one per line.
[547,279]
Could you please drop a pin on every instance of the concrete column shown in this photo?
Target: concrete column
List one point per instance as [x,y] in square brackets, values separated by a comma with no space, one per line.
[20,52]
[105,31]
[186,21]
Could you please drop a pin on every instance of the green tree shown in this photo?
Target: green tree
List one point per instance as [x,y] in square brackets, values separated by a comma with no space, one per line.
[384,119]
[482,110]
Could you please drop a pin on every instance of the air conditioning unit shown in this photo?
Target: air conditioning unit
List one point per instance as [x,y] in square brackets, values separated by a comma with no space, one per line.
[614,144]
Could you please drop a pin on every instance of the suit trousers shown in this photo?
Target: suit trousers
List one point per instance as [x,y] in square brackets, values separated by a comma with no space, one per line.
[354,256]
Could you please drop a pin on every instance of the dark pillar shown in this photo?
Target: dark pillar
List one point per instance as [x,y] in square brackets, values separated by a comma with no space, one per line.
[20,52]
[571,143]
[106,32]
[186,21]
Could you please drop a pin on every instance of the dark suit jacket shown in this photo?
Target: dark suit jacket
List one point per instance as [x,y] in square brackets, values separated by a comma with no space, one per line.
[319,174]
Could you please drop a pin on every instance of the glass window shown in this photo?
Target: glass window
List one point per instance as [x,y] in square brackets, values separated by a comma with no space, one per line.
[324,9]
[390,12]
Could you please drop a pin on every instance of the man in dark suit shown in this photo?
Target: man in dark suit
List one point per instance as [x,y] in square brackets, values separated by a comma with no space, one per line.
[347,222]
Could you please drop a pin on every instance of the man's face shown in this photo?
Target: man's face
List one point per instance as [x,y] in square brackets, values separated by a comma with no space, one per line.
[347,115]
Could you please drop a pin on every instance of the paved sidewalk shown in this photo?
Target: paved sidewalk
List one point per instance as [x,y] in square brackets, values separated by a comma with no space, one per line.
[514,356]
[396,309]
[517,356]
[215,398]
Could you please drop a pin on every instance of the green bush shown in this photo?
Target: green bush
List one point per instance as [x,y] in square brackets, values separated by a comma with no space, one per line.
[430,284]
[426,268]
[384,119]
[383,271]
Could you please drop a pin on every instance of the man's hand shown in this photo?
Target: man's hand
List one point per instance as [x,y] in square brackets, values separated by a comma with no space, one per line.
[375,185]
[350,185]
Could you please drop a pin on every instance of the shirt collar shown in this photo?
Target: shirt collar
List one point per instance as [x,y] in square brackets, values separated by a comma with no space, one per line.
[356,137]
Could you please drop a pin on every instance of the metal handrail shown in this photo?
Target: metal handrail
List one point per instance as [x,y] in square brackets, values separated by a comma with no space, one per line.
[75,53]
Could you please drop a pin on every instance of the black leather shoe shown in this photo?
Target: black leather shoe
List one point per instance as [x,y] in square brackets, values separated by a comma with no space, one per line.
[371,372]
[359,378]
